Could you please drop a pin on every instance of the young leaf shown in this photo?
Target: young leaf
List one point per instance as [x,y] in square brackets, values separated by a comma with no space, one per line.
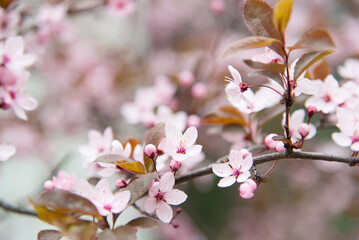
[271,75]
[49,235]
[281,16]
[143,222]
[225,115]
[321,70]
[132,166]
[248,43]
[272,67]
[258,16]
[66,202]
[5,3]
[125,233]
[315,39]
[140,185]
[308,60]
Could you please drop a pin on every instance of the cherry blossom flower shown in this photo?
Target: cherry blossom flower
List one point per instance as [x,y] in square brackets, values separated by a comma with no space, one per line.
[246,189]
[350,69]
[121,8]
[6,151]
[237,169]
[62,181]
[161,194]
[98,144]
[179,146]
[235,88]
[278,146]
[12,54]
[102,197]
[166,115]
[328,95]
[9,22]
[268,56]
[349,126]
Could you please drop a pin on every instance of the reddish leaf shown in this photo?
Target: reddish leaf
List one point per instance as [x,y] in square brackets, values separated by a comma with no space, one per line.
[308,60]
[49,235]
[132,166]
[5,3]
[321,70]
[258,16]
[272,67]
[248,43]
[272,75]
[143,222]
[225,115]
[281,15]
[140,185]
[111,158]
[315,39]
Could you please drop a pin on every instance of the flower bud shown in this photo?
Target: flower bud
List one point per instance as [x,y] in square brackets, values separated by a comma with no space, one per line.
[175,165]
[279,147]
[303,130]
[120,183]
[199,90]
[49,185]
[311,111]
[217,6]
[244,153]
[246,189]
[269,142]
[186,78]
[150,150]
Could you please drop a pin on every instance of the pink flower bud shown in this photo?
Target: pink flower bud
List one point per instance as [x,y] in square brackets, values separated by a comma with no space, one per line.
[186,78]
[199,90]
[120,183]
[279,147]
[150,150]
[175,165]
[217,6]
[244,153]
[269,142]
[311,111]
[246,189]
[193,120]
[303,130]
[49,185]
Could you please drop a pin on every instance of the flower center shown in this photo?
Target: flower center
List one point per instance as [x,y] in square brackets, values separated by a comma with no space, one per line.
[243,86]
[236,172]
[160,196]
[181,148]
[327,98]
[108,207]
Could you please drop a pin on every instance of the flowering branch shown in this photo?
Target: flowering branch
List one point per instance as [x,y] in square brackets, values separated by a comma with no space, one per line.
[10,208]
[352,161]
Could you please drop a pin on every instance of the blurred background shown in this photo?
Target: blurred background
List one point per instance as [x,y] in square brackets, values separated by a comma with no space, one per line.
[90,63]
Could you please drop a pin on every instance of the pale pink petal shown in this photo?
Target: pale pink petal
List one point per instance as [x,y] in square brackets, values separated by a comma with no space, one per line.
[175,197]
[341,139]
[84,189]
[179,156]
[244,176]
[247,163]
[346,121]
[26,102]
[19,112]
[120,201]
[235,159]
[103,192]
[306,86]
[355,147]
[319,103]
[194,150]
[312,131]
[150,204]
[172,133]
[14,46]
[167,182]
[235,74]
[234,94]
[296,118]
[164,212]
[154,189]
[222,169]
[190,136]
[227,181]
[6,151]
[24,61]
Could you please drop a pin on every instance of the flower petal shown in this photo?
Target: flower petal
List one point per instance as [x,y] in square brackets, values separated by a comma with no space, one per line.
[341,139]
[120,201]
[164,212]
[227,181]
[222,169]
[247,162]
[244,176]
[194,150]
[167,182]
[150,204]
[175,197]
[190,136]
[235,74]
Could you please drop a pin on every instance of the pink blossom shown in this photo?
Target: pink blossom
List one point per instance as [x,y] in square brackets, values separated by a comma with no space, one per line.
[350,69]
[328,95]
[161,194]
[179,146]
[186,78]
[193,120]
[6,151]
[121,8]
[64,181]
[150,150]
[237,169]
[303,130]
[175,165]
[166,115]
[295,121]
[199,90]
[102,197]
[349,126]
[235,88]
[246,189]
[217,6]
[9,22]
[268,56]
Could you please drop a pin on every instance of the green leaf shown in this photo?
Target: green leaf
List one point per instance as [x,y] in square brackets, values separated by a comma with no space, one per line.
[143,222]
[248,43]
[258,16]
[308,60]
[140,185]
[49,235]
[281,15]
[316,39]
[272,67]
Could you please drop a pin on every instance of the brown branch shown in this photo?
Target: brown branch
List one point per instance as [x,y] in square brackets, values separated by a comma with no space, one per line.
[86,9]
[352,161]
[10,208]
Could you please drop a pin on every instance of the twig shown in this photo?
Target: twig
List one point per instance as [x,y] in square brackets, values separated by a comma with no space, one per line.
[10,208]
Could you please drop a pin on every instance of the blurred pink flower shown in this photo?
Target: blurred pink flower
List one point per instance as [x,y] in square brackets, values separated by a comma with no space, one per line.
[235,88]
[237,169]
[6,151]
[161,194]
[64,181]
[121,8]
[246,189]
[268,56]
[295,121]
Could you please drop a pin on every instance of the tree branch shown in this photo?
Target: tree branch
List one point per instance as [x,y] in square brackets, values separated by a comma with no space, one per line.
[10,208]
[352,161]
